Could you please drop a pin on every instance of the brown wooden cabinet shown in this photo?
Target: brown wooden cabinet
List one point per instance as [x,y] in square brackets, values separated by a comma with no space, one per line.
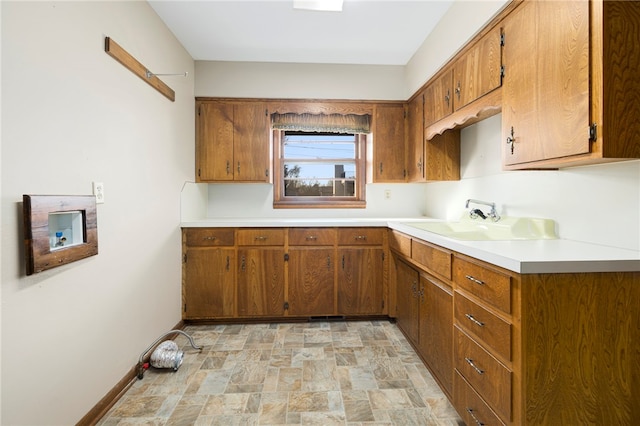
[470,76]
[260,272]
[361,271]
[209,273]
[360,281]
[311,262]
[281,272]
[232,141]
[407,300]
[415,139]
[569,95]
[436,329]
[389,143]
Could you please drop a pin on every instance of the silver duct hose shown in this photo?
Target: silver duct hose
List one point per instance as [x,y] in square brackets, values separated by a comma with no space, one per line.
[166,354]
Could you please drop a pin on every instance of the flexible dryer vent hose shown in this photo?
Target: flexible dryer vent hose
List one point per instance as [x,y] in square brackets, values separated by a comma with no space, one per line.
[166,355]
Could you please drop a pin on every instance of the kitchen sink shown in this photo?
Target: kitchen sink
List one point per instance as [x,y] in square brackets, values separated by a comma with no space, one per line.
[507,228]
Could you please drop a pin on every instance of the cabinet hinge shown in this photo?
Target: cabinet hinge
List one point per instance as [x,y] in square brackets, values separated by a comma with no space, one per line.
[266,172]
[502,39]
[198,172]
[593,132]
[383,256]
[266,112]
[501,71]
[184,258]
[185,307]
[199,107]
[286,257]
[383,304]
[286,306]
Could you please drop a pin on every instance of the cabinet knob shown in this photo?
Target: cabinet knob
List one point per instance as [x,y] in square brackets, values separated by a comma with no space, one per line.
[311,238]
[447,97]
[458,90]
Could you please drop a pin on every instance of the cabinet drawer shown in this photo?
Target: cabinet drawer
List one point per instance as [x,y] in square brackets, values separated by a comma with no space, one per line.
[205,237]
[490,285]
[485,374]
[494,331]
[432,257]
[360,236]
[261,237]
[312,236]
[472,408]
[400,243]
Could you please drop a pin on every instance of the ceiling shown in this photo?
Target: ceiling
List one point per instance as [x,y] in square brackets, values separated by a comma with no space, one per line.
[371,32]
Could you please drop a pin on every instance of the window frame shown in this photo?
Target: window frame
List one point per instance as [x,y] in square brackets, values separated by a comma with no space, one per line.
[282,201]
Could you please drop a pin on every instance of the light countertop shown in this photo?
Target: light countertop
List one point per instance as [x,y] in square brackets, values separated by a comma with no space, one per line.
[521,256]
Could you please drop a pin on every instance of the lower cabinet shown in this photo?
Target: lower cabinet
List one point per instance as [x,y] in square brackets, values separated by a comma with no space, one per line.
[284,272]
[360,281]
[260,281]
[260,272]
[211,278]
[311,281]
[425,314]
[408,317]
[435,340]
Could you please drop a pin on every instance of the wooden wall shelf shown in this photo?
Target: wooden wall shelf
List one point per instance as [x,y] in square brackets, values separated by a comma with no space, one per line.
[119,54]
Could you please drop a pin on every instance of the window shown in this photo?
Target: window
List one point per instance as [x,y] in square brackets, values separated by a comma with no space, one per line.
[319,169]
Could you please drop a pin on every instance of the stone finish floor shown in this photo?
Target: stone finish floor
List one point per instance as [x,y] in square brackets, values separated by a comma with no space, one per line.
[320,373]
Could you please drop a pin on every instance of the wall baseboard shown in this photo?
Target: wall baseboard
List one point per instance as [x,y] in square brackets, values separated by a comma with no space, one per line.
[109,400]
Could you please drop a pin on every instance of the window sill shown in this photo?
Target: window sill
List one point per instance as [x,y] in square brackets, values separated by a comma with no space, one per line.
[319,204]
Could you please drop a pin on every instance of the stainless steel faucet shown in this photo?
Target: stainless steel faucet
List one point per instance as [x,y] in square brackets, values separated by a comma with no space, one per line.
[474,213]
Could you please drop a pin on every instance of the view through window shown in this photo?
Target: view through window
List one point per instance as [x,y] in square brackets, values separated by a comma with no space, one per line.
[321,165]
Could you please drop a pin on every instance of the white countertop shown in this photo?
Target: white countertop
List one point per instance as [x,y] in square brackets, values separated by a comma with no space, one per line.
[521,256]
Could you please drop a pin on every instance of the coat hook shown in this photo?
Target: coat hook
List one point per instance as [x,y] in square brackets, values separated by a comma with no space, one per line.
[149,74]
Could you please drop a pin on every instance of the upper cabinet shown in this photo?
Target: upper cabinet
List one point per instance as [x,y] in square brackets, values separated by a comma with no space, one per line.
[473,74]
[232,141]
[389,143]
[571,93]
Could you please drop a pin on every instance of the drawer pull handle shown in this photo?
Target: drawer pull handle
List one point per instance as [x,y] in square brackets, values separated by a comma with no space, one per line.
[361,237]
[473,416]
[311,238]
[470,362]
[475,280]
[475,321]
[261,238]
[209,238]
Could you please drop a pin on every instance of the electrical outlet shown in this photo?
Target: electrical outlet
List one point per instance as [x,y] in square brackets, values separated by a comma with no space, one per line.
[98,191]
[387,193]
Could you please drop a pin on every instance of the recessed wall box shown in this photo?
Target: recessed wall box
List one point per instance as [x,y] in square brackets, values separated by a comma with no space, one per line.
[58,229]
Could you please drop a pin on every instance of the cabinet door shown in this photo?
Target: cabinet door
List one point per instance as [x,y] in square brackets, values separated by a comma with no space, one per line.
[438,98]
[251,142]
[479,71]
[360,281]
[209,288]
[415,139]
[436,329]
[260,281]
[406,300]
[388,144]
[214,142]
[311,281]
[545,90]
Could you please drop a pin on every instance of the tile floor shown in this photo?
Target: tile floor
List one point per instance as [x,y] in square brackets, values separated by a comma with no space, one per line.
[321,373]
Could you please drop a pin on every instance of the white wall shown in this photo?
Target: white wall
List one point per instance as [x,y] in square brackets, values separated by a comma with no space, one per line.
[71,115]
